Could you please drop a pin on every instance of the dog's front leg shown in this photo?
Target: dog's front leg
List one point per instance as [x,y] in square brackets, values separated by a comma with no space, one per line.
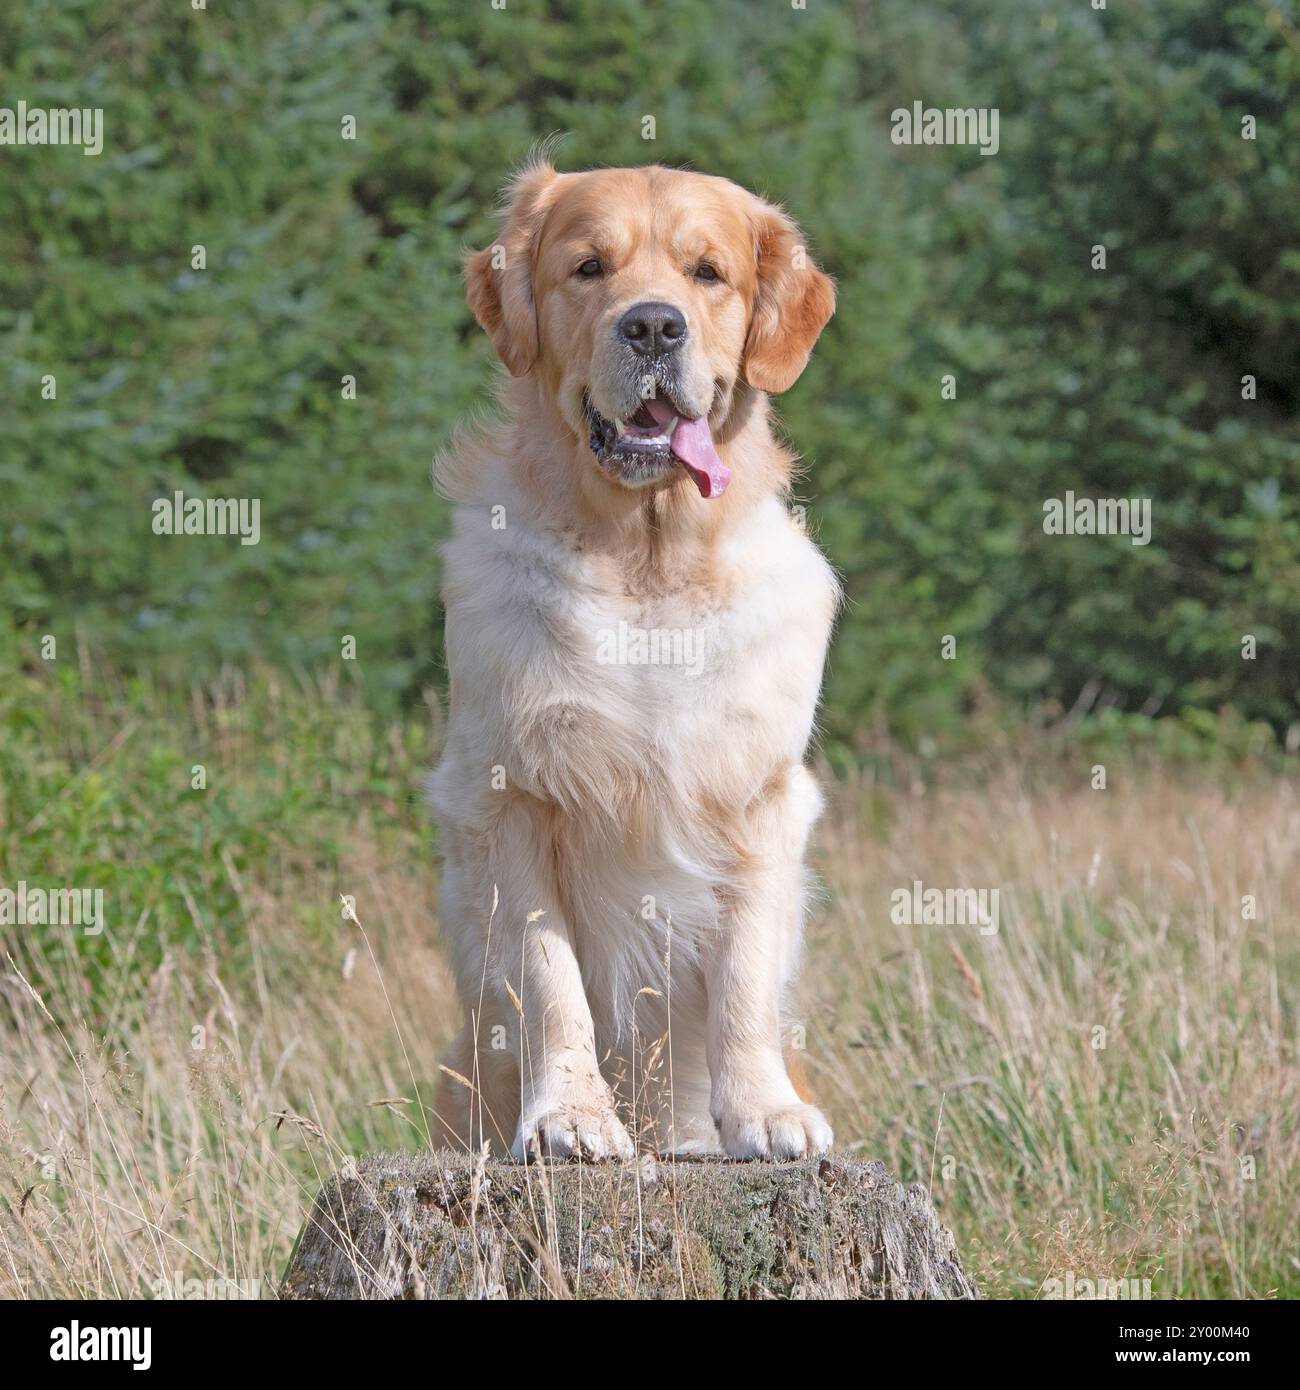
[566,1107]
[754,1103]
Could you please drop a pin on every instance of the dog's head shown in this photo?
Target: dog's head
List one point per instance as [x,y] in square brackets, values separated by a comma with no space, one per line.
[646,301]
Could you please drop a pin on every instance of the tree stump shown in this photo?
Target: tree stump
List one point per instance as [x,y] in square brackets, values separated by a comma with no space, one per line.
[445,1225]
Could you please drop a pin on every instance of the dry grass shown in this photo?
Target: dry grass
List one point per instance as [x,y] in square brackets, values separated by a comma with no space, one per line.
[1056,1147]
[188,1137]
[174,1120]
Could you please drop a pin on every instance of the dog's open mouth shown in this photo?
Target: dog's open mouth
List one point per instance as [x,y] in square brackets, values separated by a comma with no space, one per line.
[659,429]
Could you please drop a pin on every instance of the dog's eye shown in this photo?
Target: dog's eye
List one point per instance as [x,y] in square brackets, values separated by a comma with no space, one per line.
[590,269]
[706,272]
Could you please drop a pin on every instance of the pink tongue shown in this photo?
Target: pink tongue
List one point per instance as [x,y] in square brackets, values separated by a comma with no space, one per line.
[692,444]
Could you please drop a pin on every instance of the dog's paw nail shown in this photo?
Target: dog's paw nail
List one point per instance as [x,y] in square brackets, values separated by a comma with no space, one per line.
[594,1135]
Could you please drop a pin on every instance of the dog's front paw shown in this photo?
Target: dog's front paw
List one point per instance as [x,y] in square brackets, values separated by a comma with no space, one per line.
[785,1132]
[592,1132]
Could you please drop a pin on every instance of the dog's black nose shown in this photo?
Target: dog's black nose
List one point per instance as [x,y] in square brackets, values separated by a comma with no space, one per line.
[652,329]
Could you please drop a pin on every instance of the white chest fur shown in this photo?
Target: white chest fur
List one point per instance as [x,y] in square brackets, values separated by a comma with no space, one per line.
[577,681]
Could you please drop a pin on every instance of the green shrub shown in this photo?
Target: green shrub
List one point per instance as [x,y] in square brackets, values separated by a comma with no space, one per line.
[329,257]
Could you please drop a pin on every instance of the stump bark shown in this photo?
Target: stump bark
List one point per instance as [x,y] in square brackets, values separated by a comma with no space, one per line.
[444,1225]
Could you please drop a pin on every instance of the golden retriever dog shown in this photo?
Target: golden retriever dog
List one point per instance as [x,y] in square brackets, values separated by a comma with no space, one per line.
[636,631]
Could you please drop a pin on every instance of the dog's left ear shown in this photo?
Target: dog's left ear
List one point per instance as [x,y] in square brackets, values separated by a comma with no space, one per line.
[793,303]
[499,279]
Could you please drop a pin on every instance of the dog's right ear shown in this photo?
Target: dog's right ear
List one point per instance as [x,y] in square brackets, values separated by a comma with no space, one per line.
[499,279]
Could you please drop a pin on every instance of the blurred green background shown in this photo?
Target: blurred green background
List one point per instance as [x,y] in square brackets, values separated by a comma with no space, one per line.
[328,257]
